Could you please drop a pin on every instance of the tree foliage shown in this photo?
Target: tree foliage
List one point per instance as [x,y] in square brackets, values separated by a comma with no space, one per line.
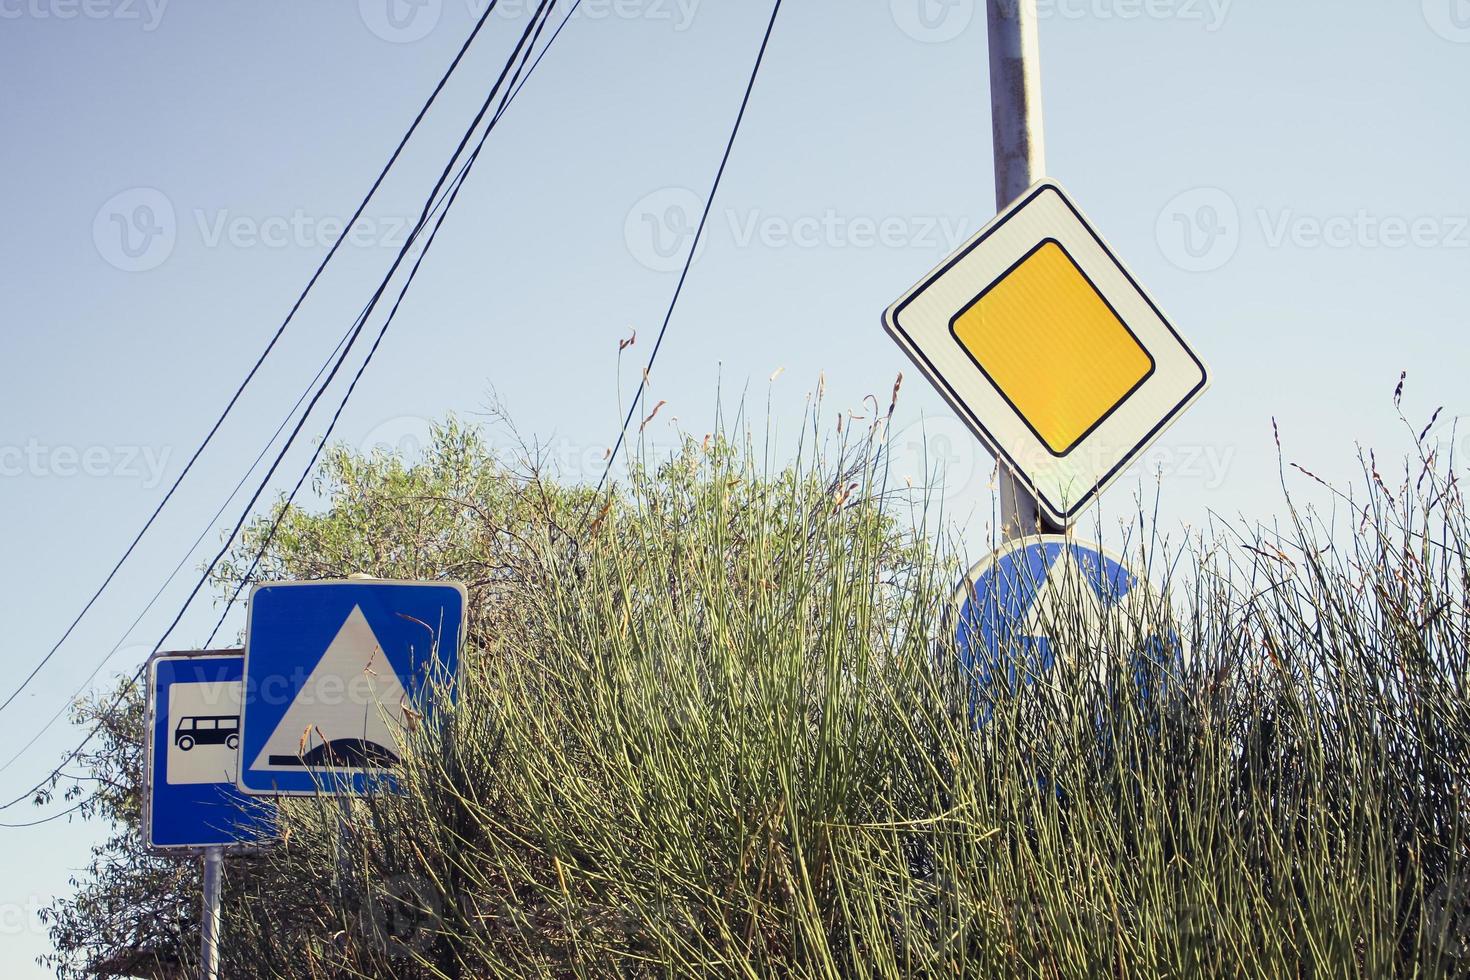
[132,914]
[703,728]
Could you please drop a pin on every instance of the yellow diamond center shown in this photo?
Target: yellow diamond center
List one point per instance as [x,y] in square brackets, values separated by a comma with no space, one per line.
[1053,347]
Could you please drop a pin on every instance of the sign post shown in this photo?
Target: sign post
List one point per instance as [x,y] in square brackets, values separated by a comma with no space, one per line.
[190,804]
[1055,357]
[209,922]
[1020,161]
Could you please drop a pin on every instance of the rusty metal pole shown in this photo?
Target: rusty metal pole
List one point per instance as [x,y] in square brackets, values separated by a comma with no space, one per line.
[1020,161]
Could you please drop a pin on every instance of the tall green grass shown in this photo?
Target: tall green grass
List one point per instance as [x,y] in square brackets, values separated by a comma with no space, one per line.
[709,727]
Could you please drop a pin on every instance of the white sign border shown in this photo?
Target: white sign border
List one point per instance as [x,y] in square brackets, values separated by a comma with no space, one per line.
[150,720]
[967,588]
[920,322]
[340,784]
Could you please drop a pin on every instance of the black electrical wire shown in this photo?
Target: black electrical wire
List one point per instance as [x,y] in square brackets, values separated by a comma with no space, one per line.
[250,375]
[37,822]
[688,261]
[239,485]
[204,532]
[532,30]
[311,464]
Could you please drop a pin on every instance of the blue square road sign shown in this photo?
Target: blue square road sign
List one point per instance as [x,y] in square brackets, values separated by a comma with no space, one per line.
[190,800]
[334,672]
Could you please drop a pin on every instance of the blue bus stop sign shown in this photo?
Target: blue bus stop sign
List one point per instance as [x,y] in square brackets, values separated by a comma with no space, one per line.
[1005,608]
[335,672]
[190,801]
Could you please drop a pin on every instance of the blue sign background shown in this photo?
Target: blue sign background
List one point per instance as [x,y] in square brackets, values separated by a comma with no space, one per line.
[290,626]
[195,815]
[996,603]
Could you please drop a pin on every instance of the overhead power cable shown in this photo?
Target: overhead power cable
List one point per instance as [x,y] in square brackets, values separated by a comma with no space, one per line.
[47,819]
[638,396]
[265,544]
[173,574]
[531,31]
[61,711]
[255,368]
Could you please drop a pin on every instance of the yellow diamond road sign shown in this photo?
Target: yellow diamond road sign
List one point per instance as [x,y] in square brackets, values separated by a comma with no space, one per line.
[1049,349]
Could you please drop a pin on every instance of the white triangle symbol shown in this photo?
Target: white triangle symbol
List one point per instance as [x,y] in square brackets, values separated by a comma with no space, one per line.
[1068,602]
[347,712]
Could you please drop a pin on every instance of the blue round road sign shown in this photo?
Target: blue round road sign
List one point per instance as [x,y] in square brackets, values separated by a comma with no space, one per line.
[1004,608]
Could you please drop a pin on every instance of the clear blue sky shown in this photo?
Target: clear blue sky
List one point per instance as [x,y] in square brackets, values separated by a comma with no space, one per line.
[1288,179]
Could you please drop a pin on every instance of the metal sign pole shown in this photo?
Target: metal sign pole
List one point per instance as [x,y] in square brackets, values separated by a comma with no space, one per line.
[1020,160]
[209,921]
